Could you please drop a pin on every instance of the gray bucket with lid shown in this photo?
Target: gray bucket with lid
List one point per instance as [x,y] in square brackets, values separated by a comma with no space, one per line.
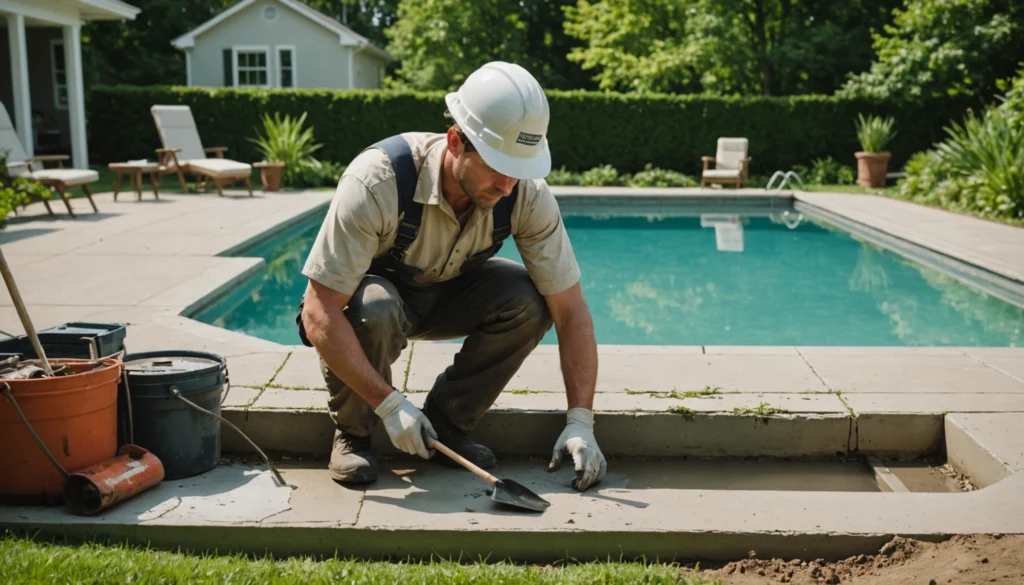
[185,440]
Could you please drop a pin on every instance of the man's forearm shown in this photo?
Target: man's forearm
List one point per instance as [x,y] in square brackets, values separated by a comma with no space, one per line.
[577,349]
[339,347]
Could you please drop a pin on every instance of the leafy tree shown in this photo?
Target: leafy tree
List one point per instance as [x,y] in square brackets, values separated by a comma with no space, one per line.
[139,51]
[367,17]
[944,47]
[439,43]
[632,45]
[772,47]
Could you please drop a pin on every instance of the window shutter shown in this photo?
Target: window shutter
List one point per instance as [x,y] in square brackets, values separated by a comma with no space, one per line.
[229,78]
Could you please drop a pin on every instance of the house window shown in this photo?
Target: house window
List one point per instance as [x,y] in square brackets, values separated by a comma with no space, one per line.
[252,67]
[60,75]
[270,14]
[286,66]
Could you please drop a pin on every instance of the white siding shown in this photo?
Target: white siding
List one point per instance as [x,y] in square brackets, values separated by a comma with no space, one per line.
[320,60]
[367,71]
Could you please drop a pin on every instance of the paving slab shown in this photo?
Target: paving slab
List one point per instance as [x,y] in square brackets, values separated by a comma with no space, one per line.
[175,333]
[317,501]
[665,402]
[302,370]
[273,398]
[240,397]
[989,447]
[895,373]
[933,403]
[641,368]
[255,369]
[1009,360]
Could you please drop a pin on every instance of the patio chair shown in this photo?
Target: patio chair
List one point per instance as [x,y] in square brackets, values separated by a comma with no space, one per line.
[60,179]
[183,152]
[730,163]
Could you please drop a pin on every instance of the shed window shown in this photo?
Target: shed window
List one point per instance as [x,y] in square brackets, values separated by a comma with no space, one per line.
[251,67]
[286,66]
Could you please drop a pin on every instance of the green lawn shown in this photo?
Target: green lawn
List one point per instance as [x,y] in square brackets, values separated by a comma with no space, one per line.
[26,561]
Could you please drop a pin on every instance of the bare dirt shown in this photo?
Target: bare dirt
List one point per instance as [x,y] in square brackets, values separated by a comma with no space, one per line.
[961,560]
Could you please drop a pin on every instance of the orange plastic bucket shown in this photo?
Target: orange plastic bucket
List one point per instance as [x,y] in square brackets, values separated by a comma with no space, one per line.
[74,415]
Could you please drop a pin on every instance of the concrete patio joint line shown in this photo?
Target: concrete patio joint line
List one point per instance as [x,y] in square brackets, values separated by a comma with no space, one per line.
[408,367]
[815,372]
[278,370]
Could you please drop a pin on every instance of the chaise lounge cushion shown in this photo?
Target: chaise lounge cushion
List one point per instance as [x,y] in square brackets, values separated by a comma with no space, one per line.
[721,173]
[69,177]
[219,167]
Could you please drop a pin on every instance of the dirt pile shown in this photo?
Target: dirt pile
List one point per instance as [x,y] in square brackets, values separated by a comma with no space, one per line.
[961,560]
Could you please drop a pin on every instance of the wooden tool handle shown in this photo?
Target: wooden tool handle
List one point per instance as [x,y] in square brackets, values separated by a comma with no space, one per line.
[26,321]
[465,463]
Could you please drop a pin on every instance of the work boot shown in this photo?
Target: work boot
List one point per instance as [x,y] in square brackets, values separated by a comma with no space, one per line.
[352,461]
[457,440]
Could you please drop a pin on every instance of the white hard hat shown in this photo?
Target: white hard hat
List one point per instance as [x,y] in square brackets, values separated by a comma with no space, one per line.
[503,111]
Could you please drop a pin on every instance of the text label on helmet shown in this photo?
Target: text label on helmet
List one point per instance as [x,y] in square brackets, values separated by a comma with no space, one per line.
[529,139]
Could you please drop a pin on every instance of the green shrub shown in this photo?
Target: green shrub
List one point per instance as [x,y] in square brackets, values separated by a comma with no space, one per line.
[602,176]
[318,173]
[588,129]
[652,177]
[875,133]
[825,171]
[979,168]
[561,176]
[16,191]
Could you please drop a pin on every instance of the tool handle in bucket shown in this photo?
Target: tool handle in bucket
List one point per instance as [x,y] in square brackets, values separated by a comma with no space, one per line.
[465,463]
[26,321]
[277,474]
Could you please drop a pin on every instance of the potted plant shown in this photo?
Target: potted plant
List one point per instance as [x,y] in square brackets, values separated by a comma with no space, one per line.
[285,147]
[874,133]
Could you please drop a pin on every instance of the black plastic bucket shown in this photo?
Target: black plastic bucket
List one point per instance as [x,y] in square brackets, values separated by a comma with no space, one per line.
[185,440]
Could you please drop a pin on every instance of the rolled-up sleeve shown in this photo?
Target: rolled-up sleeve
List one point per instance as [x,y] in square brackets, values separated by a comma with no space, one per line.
[348,238]
[543,242]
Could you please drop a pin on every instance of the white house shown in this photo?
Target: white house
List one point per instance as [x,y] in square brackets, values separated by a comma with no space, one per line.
[280,44]
[41,70]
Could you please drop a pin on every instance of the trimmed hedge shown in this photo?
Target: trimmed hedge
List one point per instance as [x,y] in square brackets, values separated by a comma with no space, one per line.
[588,129]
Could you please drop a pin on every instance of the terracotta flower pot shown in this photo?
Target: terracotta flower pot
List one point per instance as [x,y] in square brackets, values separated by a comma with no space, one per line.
[270,174]
[871,168]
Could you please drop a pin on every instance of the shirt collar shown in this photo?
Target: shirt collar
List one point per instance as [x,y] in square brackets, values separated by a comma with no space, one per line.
[428,188]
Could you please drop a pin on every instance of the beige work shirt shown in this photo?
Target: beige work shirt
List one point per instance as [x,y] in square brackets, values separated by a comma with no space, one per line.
[363,218]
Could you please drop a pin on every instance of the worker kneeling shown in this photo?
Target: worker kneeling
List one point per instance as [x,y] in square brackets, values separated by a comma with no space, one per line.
[407,251]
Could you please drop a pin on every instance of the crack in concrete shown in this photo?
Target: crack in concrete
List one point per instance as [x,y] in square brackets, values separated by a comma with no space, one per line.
[177,503]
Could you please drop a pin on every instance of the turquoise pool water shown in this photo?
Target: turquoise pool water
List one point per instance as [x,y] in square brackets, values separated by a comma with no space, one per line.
[689,278]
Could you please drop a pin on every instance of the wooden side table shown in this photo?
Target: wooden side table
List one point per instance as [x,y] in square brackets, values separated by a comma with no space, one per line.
[134,170]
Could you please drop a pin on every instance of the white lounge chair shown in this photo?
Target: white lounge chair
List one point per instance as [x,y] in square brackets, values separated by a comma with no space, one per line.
[183,151]
[60,179]
[730,163]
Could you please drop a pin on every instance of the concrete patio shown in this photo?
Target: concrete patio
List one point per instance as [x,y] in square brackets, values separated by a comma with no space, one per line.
[149,263]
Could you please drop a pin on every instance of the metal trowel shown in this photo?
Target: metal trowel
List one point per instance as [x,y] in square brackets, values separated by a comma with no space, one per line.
[506,491]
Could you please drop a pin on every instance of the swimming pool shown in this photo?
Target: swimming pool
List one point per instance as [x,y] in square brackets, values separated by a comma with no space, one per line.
[679,274]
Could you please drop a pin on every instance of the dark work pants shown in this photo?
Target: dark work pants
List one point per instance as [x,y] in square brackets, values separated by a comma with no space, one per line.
[495,306]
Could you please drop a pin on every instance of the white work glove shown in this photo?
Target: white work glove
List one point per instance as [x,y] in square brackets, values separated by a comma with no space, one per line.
[407,426]
[578,439]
